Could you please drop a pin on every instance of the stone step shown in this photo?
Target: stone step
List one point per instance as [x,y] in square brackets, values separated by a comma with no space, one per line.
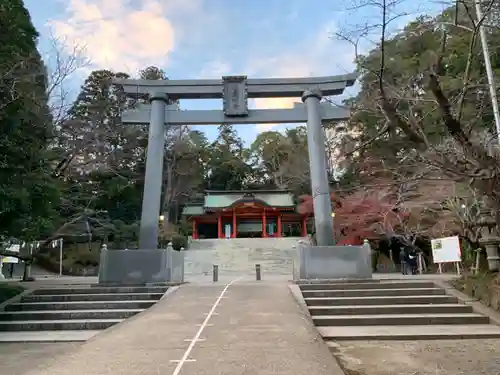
[394,300]
[360,286]
[399,320]
[58,325]
[431,332]
[283,243]
[338,281]
[80,305]
[373,292]
[391,309]
[67,315]
[101,290]
[47,336]
[92,297]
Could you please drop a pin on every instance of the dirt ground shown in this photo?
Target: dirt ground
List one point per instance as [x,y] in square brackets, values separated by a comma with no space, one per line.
[442,357]
[18,359]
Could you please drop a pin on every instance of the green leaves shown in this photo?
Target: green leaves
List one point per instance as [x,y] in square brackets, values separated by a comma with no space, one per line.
[28,193]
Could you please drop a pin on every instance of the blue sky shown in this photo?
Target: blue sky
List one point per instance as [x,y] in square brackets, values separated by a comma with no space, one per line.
[210,38]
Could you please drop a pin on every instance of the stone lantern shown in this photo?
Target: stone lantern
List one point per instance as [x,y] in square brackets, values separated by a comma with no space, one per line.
[490,239]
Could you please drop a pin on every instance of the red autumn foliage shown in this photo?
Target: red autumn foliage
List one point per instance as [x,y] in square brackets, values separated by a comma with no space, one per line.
[360,215]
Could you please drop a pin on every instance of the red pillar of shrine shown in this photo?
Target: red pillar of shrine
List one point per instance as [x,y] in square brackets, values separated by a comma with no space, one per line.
[264,224]
[195,230]
[219,227]
[278,234]
[304,226]
[234,225]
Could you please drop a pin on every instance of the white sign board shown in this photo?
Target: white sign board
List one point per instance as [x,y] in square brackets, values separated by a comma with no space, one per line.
[14,249]
[446,250]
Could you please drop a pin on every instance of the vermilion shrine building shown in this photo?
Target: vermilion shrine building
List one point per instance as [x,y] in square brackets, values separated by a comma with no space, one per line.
[237,214]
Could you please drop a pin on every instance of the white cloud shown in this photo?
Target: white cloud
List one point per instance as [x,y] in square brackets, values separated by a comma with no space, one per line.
[265,103]
[119,35]
[261,128]
[318,56]
[215,69]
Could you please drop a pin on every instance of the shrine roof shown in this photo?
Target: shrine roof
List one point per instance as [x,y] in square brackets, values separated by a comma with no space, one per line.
[272,198]
[193,210]
[216,199]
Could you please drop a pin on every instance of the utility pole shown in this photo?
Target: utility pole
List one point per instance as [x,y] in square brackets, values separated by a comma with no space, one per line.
[489,70]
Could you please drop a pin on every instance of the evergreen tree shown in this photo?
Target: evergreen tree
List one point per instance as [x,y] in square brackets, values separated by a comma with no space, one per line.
[228,167]
[106,157]
[28,194]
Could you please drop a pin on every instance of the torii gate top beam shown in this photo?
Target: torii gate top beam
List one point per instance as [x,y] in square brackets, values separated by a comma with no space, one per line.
[256,88]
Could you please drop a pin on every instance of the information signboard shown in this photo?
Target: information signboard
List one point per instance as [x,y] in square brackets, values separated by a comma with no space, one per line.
[446,250]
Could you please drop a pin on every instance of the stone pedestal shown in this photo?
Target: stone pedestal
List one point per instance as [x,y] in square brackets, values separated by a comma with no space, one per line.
[491,244]
[335,262]
[139,267]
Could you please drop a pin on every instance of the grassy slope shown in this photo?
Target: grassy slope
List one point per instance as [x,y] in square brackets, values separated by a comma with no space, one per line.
[484,286]
[9,290]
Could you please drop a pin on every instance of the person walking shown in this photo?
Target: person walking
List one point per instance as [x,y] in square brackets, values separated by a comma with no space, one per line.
[402,260]
[412,262]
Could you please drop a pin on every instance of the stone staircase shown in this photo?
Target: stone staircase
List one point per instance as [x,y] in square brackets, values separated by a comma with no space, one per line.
[71,308]
[391,310]
[239,255]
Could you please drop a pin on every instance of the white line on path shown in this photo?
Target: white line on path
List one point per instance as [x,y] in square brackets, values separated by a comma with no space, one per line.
[196,337]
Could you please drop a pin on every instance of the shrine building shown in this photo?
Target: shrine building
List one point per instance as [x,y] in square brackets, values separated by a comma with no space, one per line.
[243,214]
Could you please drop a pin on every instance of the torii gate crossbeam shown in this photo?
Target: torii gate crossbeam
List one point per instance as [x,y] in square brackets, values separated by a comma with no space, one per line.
[256,88]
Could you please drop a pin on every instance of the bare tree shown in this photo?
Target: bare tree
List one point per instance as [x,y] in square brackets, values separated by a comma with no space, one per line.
[63,62]
[462,154]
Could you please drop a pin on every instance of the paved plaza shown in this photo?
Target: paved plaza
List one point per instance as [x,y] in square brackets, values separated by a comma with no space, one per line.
[242,328]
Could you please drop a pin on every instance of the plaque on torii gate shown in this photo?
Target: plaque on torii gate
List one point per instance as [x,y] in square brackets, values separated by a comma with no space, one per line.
[235,92]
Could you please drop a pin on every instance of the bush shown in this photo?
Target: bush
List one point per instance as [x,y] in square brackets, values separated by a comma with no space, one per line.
[7,291]
[484,286]
[86,259]
[179,241]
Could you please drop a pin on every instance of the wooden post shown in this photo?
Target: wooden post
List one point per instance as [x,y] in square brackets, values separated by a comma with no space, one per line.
[279,229]
[234,224]
[195,229]
[264,224]
[219,226]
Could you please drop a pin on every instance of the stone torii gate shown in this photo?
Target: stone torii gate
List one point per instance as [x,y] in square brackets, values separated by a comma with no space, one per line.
[235,92]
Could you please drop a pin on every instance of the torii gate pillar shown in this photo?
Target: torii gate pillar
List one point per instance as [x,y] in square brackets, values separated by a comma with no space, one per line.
[320,190]
[153,182]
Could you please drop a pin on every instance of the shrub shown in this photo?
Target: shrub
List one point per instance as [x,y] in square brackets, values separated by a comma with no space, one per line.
[179,241]
[9,290]
[87,259]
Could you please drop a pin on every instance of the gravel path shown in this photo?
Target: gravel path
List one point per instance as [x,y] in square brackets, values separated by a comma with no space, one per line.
[443,357]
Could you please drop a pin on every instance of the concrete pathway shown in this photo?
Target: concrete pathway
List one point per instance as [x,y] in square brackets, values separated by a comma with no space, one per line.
[239,328]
